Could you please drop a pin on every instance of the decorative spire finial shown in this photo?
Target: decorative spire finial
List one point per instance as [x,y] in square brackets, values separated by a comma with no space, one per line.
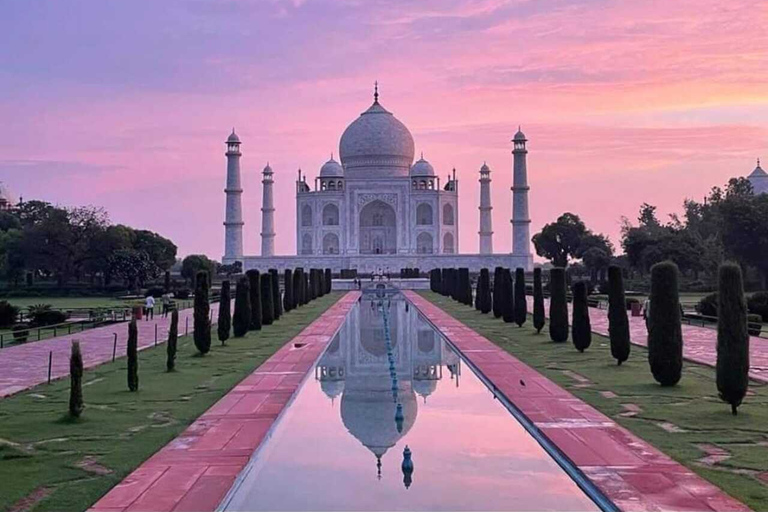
[376,91]
[422,155]
[758,161]
[233,130]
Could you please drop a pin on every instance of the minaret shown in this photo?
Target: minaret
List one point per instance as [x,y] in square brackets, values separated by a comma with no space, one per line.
[521,223]
[233,220]
[267,215]
[486,230]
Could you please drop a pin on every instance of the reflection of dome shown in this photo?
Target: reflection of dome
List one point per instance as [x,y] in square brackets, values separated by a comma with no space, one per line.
[332,388]
[376,139]
[331,169]
[422,168]
[368,412]
[424,387]
[334,346]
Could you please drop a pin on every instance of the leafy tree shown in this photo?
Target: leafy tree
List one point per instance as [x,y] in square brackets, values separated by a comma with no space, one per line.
[498,292]
[193,264]
[276,302]
[75,381]
[173,337]
[241,320]
[745,227]
[521,304]
[596,252]
[618,323]
[538,301]
[133,266]
[267,308]
[161,251]
[558,306]
[132,349]
[665,337]
[231,269]
[732,338]
[202,319]
[559,241]
[254,284]
[288,299]
[582,327]
[225,318]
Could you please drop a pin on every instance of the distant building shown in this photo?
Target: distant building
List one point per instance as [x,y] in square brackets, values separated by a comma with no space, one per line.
[759,180]
[7,200]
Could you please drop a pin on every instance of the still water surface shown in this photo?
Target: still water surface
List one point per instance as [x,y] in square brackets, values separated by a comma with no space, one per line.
[340,444]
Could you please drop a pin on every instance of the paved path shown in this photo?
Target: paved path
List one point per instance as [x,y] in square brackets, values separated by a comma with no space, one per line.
[195,470]
[699,343]
[25,366]
[631,473]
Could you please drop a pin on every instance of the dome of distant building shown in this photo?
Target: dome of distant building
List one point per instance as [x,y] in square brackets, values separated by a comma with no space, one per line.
[377,139]
[7,199]
[422,168]
[331,169]
[759,180]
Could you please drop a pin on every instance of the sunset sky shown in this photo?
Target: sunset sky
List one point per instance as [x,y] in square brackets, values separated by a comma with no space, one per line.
[126,104]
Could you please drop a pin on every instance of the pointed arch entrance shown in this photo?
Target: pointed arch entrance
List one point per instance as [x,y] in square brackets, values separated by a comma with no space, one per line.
[378,228]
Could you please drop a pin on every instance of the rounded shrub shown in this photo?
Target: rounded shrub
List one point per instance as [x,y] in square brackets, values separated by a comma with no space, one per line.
[708,305]
[581,329]
[558,306]
[758,305]
[521,304]
[538,301]
[665,336]
[8,313]
[20,332]
[618,323]
[754,324]
[732,337]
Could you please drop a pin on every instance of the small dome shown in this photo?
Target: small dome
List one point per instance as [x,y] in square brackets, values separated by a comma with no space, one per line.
[759,180]
[520,136]
[331,169]
[422,168]
[758,172]
[267,169]
[485,168]
[233,137]
[424,388]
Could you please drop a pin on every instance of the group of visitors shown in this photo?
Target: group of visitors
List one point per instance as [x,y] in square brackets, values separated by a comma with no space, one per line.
[149,306]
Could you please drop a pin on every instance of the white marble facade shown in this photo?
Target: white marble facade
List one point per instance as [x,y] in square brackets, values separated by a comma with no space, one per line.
[378,210]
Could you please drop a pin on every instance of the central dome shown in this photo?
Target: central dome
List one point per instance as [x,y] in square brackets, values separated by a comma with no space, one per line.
[377,140]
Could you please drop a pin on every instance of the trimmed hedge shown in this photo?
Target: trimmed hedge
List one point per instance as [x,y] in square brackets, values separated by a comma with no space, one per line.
[224,323]
[172,344]
[582,327]
[241,321]
[521,304]
[288,303]
[708,305]
[558,306]
[277,304]
[539,319]
[618,323]
[757,304]
[328,281]
[732,337]
[75,381]
[202,319]
[483,299]
[665,336]
[498,292]
[508,302]
[754,324]
[267,308]
[254,285]
[132,352]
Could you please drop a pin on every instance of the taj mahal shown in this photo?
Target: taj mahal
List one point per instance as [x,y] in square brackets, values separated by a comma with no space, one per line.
[376,210]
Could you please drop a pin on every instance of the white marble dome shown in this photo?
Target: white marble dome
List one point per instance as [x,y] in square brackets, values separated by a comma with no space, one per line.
[376,139]
[331,169]
[422,168]
[759,180]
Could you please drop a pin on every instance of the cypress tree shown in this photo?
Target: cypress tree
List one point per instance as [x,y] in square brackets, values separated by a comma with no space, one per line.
[307,289]
[321,282]
[478,291]
[277,304]
[508,307]
[328,281]
[132,351]
[582,328]
[254,285]
[267,308]
[202,317]
[241,320]
[224,323]
[618,323]
[538,301]
[297,287]
[465,287]
[558,306]
[288,293]
[498,292]
[484,291]
[171,346]
[732,337]
[444,287]
[75,381]
[665,336]
[521,304]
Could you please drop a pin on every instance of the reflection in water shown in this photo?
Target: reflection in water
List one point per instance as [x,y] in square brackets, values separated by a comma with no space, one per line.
[376,388]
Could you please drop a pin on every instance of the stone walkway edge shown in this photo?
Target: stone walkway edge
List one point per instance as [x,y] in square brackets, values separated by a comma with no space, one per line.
[633,474]
[195,471]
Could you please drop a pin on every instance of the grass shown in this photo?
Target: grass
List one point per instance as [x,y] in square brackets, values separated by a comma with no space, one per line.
[692,406]
[69,302]
[40,447]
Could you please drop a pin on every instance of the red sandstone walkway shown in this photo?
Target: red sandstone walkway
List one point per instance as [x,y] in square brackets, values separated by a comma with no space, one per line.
[630,472]
[195,470]
[25,366]
[699,343]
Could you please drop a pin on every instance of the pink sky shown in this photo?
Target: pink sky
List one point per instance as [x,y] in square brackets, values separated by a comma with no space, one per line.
[127,104]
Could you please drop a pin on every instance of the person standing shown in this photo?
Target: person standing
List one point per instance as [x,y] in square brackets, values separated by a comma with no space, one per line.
[149,307]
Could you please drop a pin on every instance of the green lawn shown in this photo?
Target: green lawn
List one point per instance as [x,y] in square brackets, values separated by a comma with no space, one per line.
[40,449]
[68,302]
[692,410]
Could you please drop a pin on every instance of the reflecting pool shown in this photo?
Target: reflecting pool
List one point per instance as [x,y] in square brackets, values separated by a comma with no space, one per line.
[399,422]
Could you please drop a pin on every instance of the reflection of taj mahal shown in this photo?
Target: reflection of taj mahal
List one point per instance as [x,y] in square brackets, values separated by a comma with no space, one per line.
[356,368]
[377,208]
